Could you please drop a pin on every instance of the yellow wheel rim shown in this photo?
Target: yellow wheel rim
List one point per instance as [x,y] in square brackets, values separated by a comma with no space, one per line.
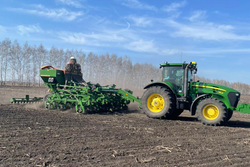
[155,103]
[210,112]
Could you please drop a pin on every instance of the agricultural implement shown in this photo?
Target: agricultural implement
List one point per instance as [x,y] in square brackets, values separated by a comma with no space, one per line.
[177,91]
[82,97]
[27,99]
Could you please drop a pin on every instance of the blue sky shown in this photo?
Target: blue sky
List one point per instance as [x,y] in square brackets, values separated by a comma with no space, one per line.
[215,34]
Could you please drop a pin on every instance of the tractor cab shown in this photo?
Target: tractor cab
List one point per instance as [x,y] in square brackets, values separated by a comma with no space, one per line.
[178,75]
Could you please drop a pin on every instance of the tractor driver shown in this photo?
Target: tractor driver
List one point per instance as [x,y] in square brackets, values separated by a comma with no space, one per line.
[175,77]
[73,72]
[171,75]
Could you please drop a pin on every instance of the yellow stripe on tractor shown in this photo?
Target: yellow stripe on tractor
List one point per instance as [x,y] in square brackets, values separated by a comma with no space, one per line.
[209,87]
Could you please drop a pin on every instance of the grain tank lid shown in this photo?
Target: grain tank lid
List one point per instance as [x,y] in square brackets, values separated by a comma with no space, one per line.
[50,67]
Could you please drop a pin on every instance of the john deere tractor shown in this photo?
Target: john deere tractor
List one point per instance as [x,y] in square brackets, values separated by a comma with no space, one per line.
[177,91]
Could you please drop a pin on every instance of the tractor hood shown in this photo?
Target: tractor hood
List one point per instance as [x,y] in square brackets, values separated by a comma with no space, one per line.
[228,95]
[210,87]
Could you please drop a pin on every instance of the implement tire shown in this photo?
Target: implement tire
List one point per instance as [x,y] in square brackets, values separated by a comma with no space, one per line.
[212,111]
[158,102]
[45,99]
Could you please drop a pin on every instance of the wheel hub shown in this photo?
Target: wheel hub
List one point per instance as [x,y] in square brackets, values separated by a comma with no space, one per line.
[155,103]
[210,112]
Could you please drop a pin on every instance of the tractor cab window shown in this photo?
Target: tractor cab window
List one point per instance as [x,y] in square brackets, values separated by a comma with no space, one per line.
[175,76]
[190,76]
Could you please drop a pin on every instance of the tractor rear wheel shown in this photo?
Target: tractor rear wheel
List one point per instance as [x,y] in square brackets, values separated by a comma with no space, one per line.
[212,111]
[158,102]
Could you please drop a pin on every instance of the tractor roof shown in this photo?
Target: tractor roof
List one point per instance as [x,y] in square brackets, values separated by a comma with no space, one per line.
[184,64]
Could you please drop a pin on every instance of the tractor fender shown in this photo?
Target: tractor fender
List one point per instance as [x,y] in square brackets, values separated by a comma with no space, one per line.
[194,103]
[161,84]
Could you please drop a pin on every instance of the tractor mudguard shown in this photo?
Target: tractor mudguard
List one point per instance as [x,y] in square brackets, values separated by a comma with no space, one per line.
[159,84]
[163,84]
[194,104]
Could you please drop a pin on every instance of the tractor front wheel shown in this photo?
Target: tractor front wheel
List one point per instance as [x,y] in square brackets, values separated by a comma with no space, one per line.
[212,111]
[158,102]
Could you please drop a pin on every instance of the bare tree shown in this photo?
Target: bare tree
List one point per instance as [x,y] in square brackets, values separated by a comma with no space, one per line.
[26,64]
[14,58]
[60,58]
[41,53]
[34,58]
[1,63]
[5,50]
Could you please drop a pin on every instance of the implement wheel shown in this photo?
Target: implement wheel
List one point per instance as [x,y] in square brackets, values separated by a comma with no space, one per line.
[45,99]
[158,102]
[212,111]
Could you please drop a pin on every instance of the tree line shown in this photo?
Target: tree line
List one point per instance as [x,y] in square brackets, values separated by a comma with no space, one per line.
[20,65]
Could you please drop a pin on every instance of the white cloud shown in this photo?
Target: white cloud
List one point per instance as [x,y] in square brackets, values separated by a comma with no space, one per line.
[94,39]
[211,51]
[124,39]
[173,7]
[75,38]
[140,21]
[74,3]
[2,29]
[149,47]
[26,30]
[142,46]
[55,14]
[197,15]
[138,5]
[109,37]
[205,31]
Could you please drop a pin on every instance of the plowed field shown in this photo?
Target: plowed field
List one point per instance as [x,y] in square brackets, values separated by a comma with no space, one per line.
[33,136]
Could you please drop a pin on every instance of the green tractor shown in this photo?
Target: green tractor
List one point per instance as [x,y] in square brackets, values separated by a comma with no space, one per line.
[214,104]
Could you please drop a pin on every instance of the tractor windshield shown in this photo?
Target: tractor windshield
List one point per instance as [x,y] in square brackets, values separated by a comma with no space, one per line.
[175,76]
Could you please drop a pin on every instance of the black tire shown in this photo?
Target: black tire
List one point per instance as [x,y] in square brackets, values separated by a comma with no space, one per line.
[164,102]
[45,98]
[218,115]
[229,115]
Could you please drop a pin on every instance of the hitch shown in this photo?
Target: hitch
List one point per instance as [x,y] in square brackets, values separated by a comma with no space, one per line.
[243,108]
